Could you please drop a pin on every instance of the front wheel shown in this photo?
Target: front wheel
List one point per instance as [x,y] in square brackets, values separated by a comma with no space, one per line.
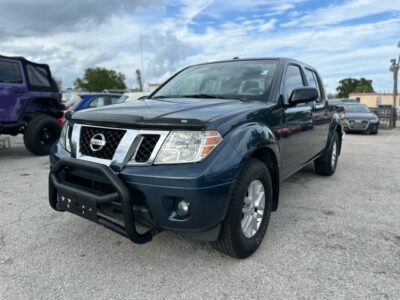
[249,212]
[41,133]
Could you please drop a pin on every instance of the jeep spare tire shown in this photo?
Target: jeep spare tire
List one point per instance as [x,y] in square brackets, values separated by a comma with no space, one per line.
[41,133]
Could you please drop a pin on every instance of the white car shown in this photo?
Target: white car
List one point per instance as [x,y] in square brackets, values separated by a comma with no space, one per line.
[127,97]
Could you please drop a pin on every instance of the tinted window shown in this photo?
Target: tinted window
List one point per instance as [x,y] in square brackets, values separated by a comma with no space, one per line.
[38,76]
[247,80]
[293,79]
[10,72]
[312,80]
[99,102]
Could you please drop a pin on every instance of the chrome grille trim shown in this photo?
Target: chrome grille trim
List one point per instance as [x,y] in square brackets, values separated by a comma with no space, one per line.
[127,148]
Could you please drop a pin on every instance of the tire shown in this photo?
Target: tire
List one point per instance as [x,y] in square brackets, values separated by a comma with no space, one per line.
[41,133]
[233,240]
[327,163]
[375,132]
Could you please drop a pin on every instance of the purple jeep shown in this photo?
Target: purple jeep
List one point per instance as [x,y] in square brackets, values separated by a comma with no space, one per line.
[29,103]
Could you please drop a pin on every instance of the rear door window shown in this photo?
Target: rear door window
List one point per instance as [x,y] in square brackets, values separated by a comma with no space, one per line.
[38,76]
[99,102]
[312,80]
[10,72]
[114,99]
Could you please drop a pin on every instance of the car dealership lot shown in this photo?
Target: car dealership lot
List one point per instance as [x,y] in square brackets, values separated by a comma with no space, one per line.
[336,237]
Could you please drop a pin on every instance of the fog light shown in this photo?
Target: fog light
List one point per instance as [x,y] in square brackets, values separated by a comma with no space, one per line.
[183,208]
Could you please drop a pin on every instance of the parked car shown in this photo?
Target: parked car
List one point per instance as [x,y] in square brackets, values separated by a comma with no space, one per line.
[203,155]
[127,97]
[358,118]
[93,100]
[72,102]
[29,103]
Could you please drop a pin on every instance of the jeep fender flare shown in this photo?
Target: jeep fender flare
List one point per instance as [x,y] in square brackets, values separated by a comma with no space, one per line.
[50,106]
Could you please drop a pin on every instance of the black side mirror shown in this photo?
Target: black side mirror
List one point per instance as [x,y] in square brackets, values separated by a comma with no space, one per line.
[303,95]
[68,115]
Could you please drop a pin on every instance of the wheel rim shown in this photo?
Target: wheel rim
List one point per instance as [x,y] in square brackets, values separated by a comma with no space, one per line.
[47,136]
[253,208]
[334,152]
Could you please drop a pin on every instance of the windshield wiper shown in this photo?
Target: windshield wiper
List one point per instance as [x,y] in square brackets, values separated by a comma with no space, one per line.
[163,97]
[209,96]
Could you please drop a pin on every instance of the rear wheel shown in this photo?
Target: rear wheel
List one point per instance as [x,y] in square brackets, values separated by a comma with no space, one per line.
[247,220]
[326,164]
[41,133]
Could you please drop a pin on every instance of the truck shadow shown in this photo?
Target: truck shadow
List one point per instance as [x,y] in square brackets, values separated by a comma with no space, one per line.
[17,150]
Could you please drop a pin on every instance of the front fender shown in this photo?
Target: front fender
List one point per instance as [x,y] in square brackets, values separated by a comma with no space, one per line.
[335,126]
[248,138]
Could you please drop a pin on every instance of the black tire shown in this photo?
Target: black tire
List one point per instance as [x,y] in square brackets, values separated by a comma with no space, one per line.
[41,133]
[324,165]
[375,132]
[232,241]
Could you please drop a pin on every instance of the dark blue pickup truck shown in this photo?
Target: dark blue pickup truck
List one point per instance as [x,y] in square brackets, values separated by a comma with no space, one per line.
[203,155]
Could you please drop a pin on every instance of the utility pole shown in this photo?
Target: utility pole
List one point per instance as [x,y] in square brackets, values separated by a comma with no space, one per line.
[141,59]
[395,69]
[139,80]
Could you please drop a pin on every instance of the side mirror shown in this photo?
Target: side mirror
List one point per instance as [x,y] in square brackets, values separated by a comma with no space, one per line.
[303,95]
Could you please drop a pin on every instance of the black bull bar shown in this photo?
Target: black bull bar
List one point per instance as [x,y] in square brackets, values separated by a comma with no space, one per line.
[91,200]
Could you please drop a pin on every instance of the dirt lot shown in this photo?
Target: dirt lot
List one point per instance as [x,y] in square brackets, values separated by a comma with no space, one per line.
[335,237]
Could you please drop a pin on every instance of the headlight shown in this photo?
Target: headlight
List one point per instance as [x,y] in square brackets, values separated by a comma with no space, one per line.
[374,119]
[187,146]
[65,137]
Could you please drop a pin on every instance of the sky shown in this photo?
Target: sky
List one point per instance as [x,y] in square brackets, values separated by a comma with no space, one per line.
[340,38]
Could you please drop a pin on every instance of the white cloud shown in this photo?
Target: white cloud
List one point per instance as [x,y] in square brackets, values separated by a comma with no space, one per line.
[192,8]
[347,10]
[172,40]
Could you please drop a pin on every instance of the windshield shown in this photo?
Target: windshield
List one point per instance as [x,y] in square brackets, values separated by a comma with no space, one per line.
[244,80]
[357,109]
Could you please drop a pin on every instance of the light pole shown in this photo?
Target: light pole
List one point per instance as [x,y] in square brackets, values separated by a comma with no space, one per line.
[395,69]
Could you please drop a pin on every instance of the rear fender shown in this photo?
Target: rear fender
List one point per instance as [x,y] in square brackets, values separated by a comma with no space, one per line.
[51,106]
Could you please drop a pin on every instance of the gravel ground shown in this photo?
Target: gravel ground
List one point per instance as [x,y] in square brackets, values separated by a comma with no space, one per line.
[336,237]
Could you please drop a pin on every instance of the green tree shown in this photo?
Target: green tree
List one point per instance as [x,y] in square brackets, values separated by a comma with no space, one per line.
[353,85]
[99,79]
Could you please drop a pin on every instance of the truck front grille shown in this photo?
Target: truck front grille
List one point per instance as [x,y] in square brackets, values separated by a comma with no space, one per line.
[146,147]
[112,139]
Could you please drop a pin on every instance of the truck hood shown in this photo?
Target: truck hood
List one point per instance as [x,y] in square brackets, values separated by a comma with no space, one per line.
[172,113]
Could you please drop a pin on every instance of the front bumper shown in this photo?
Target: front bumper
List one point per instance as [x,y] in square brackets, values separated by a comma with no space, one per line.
[369,127]
[72,193]
[147,196]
